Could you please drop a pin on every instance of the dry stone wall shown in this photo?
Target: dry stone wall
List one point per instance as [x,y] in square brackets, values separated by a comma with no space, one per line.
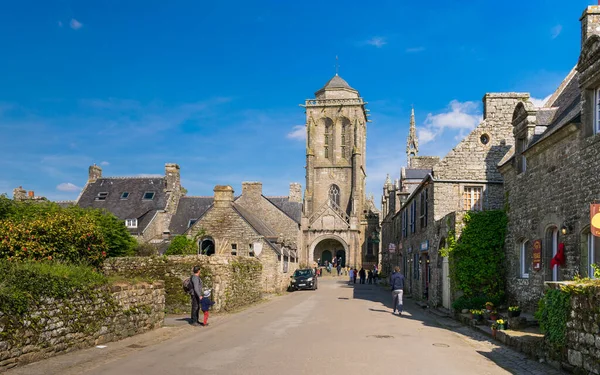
[59,326]
[235,281]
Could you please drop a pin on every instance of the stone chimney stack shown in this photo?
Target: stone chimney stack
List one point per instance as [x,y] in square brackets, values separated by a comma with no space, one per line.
[223,195]
[173,177]
[590,22]
[295,192]
[94,173]
[501,106]
[252,191]
[19,194]
[31,194]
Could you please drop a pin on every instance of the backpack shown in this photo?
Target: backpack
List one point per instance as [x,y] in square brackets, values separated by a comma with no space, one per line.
[187,285]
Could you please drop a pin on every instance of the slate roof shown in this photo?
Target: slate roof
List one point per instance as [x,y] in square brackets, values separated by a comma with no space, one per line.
[134,207]
[292,209]
[259,226]
[189,208]
[416,174]
[336,82]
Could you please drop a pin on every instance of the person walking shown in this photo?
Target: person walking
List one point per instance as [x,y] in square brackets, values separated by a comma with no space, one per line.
[397,281]
[206,304]
[196,295]
[375,275]
[355,274]
[370,277]
[362,274]
[351,273]
[339,269]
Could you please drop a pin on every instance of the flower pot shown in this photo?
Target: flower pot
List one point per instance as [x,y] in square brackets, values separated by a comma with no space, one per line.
[514,314]
[502,326]
[494,331]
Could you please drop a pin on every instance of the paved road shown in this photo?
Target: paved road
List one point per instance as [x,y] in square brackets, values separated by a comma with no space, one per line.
[338,329]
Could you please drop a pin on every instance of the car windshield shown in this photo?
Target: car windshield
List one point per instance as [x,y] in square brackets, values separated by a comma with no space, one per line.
[302,273]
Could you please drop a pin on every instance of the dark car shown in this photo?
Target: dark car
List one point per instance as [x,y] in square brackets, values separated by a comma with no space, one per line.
[304,279]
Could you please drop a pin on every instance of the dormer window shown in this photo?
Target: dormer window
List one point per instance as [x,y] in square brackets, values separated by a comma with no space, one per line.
[102,196]
[131,223]
[192,222]
[125,195]
[148,196]
[597,110]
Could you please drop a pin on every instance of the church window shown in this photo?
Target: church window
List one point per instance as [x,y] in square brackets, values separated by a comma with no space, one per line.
[472,198]
[334,194]
[597,110]
[346,149]
[328,141]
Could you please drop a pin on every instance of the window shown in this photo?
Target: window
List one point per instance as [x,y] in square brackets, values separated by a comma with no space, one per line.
[593,254]
[405,223]
[148,196]
[102,196]
[251,249]
[597,110]
[413,216]
[125,195]
[423,216]
[472,198]
[328,138]
[334,194]
[233,249]
[192,222]
[526,259]
[346,149]
[550,249]
[131,223]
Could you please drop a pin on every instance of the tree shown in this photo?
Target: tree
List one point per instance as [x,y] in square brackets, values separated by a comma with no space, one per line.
[181,245]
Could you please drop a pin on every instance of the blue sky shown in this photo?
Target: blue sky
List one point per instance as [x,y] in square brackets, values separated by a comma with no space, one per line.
[215,86]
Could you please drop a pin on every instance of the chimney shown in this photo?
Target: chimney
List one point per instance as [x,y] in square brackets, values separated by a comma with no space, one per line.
[252,190]
[223,195]
[295,192]
[31,194]
[94,173]
[19,194]
[590,22]
[173,177]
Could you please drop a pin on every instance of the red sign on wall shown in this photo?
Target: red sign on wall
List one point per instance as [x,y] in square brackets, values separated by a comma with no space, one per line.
[537,255]
[595,219]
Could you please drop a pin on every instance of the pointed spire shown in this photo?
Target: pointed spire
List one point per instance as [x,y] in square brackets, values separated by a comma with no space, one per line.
[388,182]
[412,142]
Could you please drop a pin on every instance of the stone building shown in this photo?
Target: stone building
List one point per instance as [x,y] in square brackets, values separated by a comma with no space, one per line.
[337,219]
[465,179]
[551,178]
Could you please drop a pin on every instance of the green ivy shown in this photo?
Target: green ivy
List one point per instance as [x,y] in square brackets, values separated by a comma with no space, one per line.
[477,257]
[552,314]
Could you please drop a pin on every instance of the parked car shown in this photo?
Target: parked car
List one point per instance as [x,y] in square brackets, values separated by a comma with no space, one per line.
[304,279]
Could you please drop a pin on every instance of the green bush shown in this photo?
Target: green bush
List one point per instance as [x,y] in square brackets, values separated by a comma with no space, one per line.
[181,245]
[477,258]
[145,250]
[552,314]
[118,240]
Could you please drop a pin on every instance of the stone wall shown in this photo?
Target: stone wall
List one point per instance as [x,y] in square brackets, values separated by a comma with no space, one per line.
[58,326]
[235,281]
[583,334]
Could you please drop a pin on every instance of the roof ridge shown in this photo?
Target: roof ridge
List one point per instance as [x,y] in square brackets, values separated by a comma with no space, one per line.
[130,177]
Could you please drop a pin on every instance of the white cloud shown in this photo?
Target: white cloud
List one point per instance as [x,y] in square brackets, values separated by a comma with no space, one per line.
[68,187]
[75,25]
[298,132]
[377,41]
[104,163]
[460,116]
[556,30]
[415,50]
[539,102]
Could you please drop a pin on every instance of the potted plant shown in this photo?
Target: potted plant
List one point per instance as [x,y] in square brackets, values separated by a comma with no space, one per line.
[501,324]
[514,311]
[476,314]
[494,329]
[494,315]
[489,306]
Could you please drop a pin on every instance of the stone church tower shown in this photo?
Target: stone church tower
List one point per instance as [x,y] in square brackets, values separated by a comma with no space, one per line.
[335,219]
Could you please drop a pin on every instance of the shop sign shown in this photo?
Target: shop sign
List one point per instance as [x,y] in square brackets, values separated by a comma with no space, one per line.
[595,219]
[537,255]
[392,248]
[425,245]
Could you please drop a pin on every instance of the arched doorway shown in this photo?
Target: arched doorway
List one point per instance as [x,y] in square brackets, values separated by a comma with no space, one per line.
[326,247]
[207,246]
[341,254]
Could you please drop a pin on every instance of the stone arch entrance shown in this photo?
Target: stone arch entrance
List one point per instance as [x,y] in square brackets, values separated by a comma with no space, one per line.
[207,246]
[326,247]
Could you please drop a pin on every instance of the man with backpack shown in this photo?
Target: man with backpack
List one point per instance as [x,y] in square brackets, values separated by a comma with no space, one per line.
[196,294]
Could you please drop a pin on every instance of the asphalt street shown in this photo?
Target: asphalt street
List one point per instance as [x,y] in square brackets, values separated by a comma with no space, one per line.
[338,329]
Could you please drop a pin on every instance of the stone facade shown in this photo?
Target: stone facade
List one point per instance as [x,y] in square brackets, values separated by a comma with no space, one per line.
[235,281]
[337,220]
[466,179]
[551,178]
[67,325]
